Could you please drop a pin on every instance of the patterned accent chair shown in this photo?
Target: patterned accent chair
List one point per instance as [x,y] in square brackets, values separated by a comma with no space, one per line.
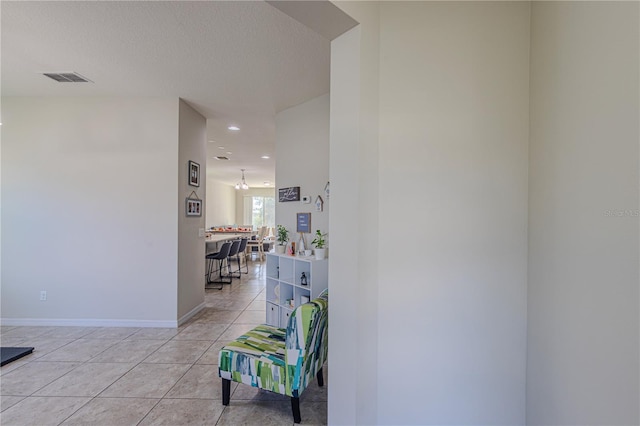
[280,360]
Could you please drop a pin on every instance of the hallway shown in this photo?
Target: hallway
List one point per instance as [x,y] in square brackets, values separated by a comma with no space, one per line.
[146,376]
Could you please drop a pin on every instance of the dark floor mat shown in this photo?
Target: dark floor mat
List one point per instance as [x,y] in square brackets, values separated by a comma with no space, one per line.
[11,354]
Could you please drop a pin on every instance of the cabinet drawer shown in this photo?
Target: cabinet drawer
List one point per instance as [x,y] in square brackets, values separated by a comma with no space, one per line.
[284,317]
[273,315]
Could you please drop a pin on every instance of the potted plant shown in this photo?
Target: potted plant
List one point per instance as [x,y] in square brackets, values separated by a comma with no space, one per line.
[282,238]
[319,243]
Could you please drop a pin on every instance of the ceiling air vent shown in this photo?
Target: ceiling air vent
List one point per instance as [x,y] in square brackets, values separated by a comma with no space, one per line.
[220,157]
[67,77]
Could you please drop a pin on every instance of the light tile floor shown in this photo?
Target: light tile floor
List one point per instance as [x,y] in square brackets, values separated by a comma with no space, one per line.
[146,376]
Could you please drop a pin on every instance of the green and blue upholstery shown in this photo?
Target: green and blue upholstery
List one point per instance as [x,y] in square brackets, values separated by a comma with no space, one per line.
[280,360]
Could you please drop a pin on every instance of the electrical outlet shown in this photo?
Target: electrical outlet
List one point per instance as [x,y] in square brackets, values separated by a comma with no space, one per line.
[43,295]
[201,232]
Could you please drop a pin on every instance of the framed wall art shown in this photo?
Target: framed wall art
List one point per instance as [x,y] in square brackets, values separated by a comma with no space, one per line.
[194,207]
[194,173]
[303,222]
[289,194]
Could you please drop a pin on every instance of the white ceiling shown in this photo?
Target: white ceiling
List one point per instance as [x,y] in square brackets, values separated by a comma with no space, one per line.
[236,62]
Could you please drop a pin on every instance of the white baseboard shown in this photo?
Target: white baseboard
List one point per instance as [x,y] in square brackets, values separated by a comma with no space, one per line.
[41,322]
[44,322]
[186,317]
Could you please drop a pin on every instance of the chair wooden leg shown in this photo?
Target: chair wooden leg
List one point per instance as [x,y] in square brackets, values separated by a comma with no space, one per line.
[226,392]
[320,378]
[295,407]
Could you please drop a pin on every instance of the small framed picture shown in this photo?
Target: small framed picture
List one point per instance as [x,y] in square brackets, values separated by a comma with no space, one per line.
[194,173]
[194,207]
[303,222]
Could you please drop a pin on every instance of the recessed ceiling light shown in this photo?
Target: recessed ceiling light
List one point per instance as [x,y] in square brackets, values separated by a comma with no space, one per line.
[267,183]
[234,128]
[212,141]
[221,147]
[266,157]
[229,152]
[220,157]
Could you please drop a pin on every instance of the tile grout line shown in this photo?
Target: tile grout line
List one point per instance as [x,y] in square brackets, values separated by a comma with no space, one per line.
[241,290]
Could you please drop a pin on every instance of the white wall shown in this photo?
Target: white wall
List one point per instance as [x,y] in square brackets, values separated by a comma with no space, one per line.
[452,203]
[583,249]
[221,204]
[191,246]
[354,263]
[89,210]
[302,152]
[454,120]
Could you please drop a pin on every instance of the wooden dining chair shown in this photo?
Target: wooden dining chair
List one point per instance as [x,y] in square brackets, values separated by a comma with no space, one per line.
[258,242]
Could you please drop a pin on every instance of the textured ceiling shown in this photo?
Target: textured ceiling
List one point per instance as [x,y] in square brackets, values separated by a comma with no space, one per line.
[237,62]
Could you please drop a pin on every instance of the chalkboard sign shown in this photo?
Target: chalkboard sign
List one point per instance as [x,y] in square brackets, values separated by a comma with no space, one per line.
[289,194]
[304,222]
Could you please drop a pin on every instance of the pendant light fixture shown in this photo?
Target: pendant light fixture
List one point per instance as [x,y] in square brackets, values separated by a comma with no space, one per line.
[243,183]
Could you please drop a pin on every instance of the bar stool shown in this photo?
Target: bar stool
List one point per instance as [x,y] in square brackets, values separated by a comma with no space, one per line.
[220,256]
[243,251]
[235,247]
